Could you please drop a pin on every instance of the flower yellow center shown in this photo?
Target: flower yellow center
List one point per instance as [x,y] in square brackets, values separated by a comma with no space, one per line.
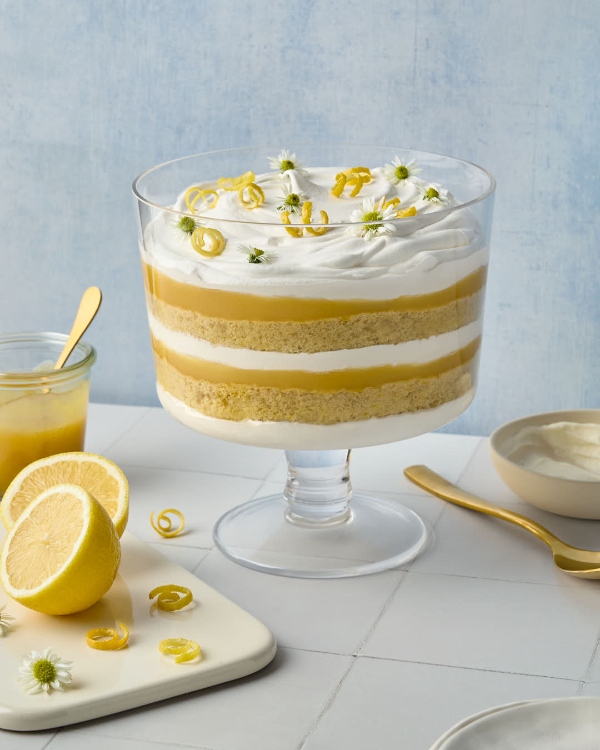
[402,172]
[255,255]
[372,216]
[293,199]
[187,225]
[286,164]
[431,194]
[44,671]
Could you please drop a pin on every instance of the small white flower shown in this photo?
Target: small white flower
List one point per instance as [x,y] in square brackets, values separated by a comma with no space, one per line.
[44,672]
[398,171]
[285,161]
[255,254]
[291,201]
[431,194]
[5,619]
[375,217]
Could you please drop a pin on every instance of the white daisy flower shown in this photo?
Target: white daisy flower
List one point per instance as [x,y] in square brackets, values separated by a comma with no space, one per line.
[375,217]
[431,194]
[398,171]
[44,672]
[5,619]
[285,161]
[255,254]
[291,200]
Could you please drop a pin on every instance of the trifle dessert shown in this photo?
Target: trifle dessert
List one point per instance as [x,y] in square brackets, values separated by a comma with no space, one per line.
[311,306]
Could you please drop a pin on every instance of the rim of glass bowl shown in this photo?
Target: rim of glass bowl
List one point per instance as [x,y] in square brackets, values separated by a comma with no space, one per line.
[67,372]
[439,214]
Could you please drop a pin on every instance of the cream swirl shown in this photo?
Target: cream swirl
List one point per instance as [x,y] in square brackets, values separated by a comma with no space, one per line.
[422,254]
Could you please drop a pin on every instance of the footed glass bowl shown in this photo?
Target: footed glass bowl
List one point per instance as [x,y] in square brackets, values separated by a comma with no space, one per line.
[316,302]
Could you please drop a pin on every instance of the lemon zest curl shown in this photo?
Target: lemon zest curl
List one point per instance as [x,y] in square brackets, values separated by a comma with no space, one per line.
[307,219]
[164,525]
[182,648]
[107,639]
[215,245]
[403,213]
[168,597]
[195,193]
[355,177]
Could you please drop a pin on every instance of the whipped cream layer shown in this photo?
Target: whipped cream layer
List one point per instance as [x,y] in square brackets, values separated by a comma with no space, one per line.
[410,352]
[422,254]
[301,436]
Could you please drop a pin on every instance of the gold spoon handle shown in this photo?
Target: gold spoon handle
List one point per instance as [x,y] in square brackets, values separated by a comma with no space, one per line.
[88,307]
[437,485]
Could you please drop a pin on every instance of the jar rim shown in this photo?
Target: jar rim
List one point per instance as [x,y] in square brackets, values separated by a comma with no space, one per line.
[68,371]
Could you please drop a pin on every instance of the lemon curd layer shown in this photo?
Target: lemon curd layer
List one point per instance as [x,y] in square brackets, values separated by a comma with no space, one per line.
[236,306]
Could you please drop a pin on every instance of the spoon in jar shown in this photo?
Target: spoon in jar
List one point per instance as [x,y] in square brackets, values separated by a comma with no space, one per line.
[582,563]
[88,307]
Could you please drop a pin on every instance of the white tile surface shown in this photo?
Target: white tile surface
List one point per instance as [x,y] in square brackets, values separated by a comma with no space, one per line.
[488,624]
[66,741]
[273,710]
[321,615]
[159,441]
[481,618]
[391,705]
[202,498]
[107,422]
[23,741]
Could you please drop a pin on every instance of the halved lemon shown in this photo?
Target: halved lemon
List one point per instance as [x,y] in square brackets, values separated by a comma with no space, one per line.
[62,554]
[99,476]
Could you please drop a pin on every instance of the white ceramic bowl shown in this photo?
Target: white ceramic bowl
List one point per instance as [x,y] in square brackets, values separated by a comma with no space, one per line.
[566,497]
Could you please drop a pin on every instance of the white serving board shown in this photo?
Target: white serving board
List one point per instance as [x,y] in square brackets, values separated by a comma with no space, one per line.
[234,644]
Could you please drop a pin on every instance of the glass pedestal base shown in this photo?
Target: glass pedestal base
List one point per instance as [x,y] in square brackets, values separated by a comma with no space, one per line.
[319,528]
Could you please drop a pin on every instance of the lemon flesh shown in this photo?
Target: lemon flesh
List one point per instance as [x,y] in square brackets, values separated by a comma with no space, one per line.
[62,554]
[99,476]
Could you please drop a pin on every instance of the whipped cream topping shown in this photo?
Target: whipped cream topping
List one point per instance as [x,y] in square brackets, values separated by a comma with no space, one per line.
[423,253]
[569,450]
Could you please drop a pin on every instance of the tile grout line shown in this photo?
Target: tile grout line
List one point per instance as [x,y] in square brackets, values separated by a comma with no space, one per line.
[329,700]
[575,680]
[127,429]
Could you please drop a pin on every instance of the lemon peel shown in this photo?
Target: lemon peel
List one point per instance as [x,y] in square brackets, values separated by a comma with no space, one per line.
[182,648]
[107,639]
[192,195]
[251,196]
[168,597]
[355,177]
[215,245]
[294,231]
[391,202]
[403,213]
[233,184]
[164,525]
[307,219]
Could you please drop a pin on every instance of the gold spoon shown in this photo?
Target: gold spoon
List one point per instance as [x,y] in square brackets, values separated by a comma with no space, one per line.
[88,307]
[582,563]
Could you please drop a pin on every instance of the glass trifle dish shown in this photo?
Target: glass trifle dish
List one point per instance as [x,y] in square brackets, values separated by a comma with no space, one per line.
[316,302]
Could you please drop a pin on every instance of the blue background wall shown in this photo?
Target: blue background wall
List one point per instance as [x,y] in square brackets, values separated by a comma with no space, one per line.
[95,91]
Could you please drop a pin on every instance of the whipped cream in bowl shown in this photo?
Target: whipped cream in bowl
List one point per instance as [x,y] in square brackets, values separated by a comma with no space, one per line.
[552,461]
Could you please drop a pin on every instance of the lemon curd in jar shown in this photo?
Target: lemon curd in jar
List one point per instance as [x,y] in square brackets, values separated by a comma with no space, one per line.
[42,411]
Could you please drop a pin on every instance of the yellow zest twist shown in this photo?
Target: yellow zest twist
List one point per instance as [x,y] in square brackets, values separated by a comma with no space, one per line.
[215,244]
[168,597]
[403,213]
[355,177]
[294,231]
[107,639]
[249,193]
[307,218]
[194,194]
[251,196]
[392,202]
[164,525]
[234,184]
[182,648]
